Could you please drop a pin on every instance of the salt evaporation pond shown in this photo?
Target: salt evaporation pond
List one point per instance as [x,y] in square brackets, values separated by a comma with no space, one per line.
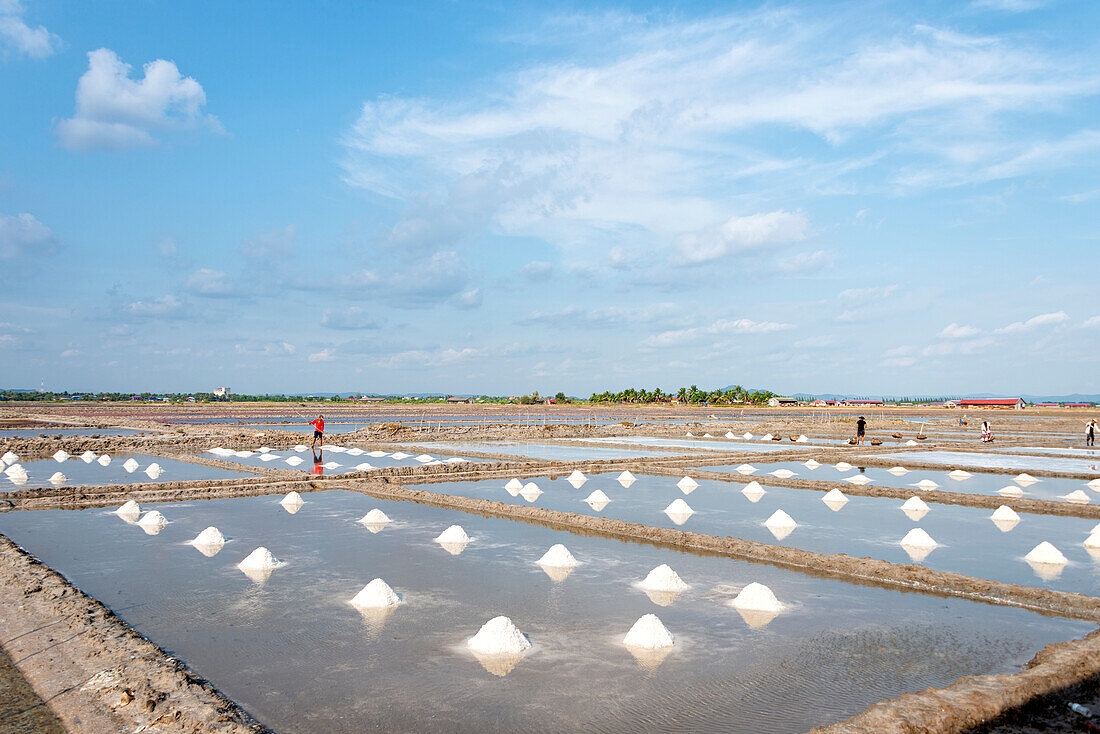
[299,657]
[1048,488]
[347,461]
[970,543]
[79,472]
[59,432]
[702,445]
[546,451]
[1067,451]
[997,461]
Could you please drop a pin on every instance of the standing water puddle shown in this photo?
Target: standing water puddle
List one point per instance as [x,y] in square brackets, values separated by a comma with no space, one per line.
[546,451]
[79,472]
[294,653]
[996,461]
[336,462]
[970,543]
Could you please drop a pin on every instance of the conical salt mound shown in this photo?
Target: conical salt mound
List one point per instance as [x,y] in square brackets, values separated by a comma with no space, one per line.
[58,478]
[689,434]
[376,595]
[780,519]
[917,538]
[1004,512]
[576,476]
[376,454]
[782,473]
[915,503]
[60,456]
[597,496]
[300,448]
[898,471]
[746,469]
[959,474]
[858,479]
[767,437]
[530,492]
[687,485]
[399,455]
[911,442]
[1094,484]
[834,496]
[292,498]
[1077,496]
[88,457]
[374,517]
[843,466]
[678,507]
[129,509]
[152,518]
[802,439]
[757,597]
[663,578]
[729,434]
[260,559]
[707,435]
[625,478]
[558,557]
[1046,553]
[103,460]
[1093,541]
[753,491]
[364,466]
[648,633]
[926,484]
[453,534]
[9,457]
[746,435]
[15,469]
[499,636]
[811,464]
[154,470]
[1011,491]
[356,451]
[209,537]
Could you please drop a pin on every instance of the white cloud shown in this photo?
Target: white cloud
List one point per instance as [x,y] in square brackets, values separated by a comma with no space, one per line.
[19,38]
[6,340]
[957,331]
[208,282]
[70,353]
[536,270]
[1091,322]
[164,307]
[1045,319]
[115,112]
[22,235]
[352,318]
[1008,6]
[423,358]
[270,244]
[742,234]
[963,346]
[804,262]
[722,327]
[325,355]
[899,362]
[266,349]
[871,293]
[467,299]
[607,317]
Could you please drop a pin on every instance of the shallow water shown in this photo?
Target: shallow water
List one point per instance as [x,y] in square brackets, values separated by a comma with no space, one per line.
[81,473]
[1047,488]
[970,542]
[346,461]
[704,444]
[1067,451]
[296,655]
[59,432]
[546,451]
[998,461]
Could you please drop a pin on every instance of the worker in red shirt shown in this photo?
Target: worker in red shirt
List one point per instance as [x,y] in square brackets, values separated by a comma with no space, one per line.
[318,430]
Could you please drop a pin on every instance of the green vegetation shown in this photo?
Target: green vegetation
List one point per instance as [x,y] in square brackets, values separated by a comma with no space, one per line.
[736,395]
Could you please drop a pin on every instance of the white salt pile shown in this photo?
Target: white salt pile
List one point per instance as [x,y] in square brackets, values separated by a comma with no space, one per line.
[1046,553]
[707,435]
[260,560]
[209,541]
[58,478]
[626,479]
[15,469]
[9,457]
[104,460]
[663,578]
[758,598]
[1025,479]
[453,534]
[801,438]
[88,457]
[294,460]
[365,466]
[399,455]
[1093,541]
[910,442]
[648,634]
[355,451]
[530,492]
[243,454]
[780,524]
[679,511]
[898,471]
[843,466]
[1011,491]
[376,454]
[331,465]
[514,483]
[689,434]
[263,449]
[1094,484]
[292,498]
[1004,512]
[335,449]
[1077,496]
[597,497]
[926,484]
[834,499]
[130,509]
[558,557]
[915,503]
[153,518]
[576,479]
[687,485]
[499,636]
[746,469]
[811,464]
[154,470]
[376,595]
[269,457]
[858,479]
[746,435]
[767,437]
[375,517]
[424,458]
[753,491]
[918,538]
[729,434]
[453,460]
[60,456]
[300,448]
[959,475]
[782,473]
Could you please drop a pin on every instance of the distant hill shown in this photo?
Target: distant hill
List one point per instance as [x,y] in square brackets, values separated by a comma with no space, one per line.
[1074,398]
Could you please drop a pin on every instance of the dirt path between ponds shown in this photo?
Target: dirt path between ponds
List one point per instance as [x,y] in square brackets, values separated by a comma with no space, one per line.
[94,672]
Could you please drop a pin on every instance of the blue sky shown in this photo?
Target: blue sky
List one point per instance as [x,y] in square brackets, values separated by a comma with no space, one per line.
[865,197]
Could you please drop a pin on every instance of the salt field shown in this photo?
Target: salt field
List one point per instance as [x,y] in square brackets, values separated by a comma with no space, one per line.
[702,445]
[1047,488]
[313,662]
[969,542]
[333,461]
[546,451]
[54,432]
[112,470]
[999,461]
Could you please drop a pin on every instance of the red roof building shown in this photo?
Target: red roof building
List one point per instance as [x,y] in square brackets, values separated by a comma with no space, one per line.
[1012,403]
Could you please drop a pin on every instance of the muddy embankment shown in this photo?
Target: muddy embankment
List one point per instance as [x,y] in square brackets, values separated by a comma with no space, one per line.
[95,672]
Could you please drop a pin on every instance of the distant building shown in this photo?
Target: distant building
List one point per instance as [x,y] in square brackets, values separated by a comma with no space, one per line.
[776,402]
[863,402]
[221,392]
[455,399]
[1002,403]
[1077,405]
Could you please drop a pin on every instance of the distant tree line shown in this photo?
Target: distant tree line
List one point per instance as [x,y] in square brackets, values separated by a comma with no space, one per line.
[734,395]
